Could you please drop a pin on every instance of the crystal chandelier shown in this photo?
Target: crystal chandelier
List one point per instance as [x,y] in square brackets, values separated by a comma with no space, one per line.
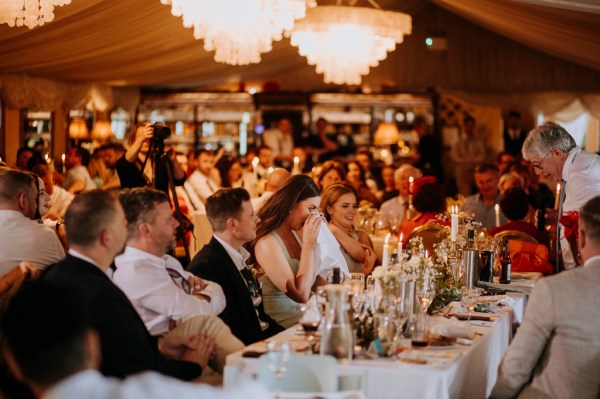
[343,42]
[30,13]
[239,31]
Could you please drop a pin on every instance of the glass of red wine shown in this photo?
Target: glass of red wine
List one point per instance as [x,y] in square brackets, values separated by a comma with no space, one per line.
[310,321]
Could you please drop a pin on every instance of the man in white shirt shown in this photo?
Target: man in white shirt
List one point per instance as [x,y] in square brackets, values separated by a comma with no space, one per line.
[281,141]
[399,204]
[555,155]
[200,180]
[78,178]
[556,351]
[63,361]
[169,299]
[21,238]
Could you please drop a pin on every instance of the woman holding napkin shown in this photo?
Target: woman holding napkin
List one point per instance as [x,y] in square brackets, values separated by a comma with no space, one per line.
[284,248]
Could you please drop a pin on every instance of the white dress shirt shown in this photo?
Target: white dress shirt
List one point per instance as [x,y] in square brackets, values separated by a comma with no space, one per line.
[90,384]
[202,185]
[60,201]
[145,280]
[581,172]
[24,239]
[280,143]
[79,173]
[397,206]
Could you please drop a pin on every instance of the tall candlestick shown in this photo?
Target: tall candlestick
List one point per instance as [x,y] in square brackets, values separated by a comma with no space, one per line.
[254,165]
[400,247]
[386,249]
[296,168]
[557,197]
[497,208]
[410,190]
[454,223]
[63,167]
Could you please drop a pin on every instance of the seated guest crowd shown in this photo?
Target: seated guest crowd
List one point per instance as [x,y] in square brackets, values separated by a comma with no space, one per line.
[101,247]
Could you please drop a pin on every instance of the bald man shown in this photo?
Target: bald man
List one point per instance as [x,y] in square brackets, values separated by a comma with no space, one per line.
[274,181]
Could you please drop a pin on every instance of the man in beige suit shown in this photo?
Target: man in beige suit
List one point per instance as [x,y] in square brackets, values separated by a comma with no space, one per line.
[556,352]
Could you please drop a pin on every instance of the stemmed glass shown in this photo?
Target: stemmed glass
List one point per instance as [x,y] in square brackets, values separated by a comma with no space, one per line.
[425,293]
[278,355]
[470,296]
[402,307]
[310,321]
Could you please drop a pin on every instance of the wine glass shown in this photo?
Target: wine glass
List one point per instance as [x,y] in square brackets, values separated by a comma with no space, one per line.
[310,321]
[278,355]
[425,293]
[393,222]
[456,268]
[470,296]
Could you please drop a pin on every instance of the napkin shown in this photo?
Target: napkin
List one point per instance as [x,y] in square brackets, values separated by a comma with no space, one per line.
[328,254]
[452,328]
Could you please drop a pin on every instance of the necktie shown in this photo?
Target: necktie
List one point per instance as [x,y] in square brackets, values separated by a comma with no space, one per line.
[179,280]
[250,281]
[561,199]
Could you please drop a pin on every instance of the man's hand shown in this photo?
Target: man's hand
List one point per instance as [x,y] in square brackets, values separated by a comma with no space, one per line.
[197,284]
[201,350]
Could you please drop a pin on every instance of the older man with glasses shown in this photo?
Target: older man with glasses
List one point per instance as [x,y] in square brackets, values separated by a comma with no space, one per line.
[554,154]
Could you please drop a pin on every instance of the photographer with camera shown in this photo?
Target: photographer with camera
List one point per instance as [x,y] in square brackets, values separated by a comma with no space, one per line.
[146,143]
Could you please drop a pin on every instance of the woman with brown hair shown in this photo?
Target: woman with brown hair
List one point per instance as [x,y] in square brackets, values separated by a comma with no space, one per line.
[339,206]
[356,178]
[287,257]
[429,201]
[332,172]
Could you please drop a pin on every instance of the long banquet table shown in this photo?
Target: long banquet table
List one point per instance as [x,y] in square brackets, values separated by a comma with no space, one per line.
[456,372]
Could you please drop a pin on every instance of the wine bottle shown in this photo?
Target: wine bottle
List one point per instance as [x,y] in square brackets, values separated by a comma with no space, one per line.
[506,264]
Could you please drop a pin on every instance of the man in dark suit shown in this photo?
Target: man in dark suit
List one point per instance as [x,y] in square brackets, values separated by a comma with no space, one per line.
[97,231]
[223,260]
[514,135]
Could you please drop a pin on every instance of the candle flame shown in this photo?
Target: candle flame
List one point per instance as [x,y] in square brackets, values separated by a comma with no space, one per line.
[255,161]
[401,237]
[411,179]
[387,237]
[557,187]
[497,207]
[270,170]
[296,160]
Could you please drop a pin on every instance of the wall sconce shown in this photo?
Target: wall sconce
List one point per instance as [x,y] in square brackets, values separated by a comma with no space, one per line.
[78,130]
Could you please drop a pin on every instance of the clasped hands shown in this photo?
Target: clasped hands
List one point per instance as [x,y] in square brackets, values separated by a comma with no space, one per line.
[197,349]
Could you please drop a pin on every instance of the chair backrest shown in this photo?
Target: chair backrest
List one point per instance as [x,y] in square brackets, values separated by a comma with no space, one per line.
[515,235]
[430,233]
[529,257]
[305,373]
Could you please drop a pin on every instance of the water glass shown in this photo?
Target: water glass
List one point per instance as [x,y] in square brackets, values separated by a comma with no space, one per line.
[470,296]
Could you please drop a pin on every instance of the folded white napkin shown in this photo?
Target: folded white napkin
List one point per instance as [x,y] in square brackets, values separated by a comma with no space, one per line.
[452,328]
[328,254]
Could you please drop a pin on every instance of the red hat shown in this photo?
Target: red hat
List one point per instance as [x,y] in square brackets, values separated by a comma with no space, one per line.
[422,181]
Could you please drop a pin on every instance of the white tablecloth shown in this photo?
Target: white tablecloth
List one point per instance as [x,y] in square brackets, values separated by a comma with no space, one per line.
[470,372]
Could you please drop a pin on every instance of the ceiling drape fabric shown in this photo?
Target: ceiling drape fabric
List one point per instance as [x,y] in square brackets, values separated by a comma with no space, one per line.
[568,34]
[97,53]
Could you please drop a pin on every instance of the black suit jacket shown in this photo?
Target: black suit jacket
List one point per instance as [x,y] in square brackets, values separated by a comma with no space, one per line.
[214,263]
[127,347]
[514,146]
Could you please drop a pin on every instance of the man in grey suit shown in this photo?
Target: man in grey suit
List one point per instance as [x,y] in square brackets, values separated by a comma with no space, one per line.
[556,352]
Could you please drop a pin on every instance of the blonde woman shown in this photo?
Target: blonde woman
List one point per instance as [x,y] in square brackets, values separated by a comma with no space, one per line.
[339,205]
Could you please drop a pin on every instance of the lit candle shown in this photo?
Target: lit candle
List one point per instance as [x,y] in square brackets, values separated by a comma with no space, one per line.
[64,168]
[497,208]
[410,189]
[557,197]
[296,168]
[386,249]
[426,254]
[270,170]
[254,165]
[47,158]
[454,223]
[400,247]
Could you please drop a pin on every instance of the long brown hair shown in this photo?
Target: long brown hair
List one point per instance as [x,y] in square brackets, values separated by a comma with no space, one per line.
[277,208]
